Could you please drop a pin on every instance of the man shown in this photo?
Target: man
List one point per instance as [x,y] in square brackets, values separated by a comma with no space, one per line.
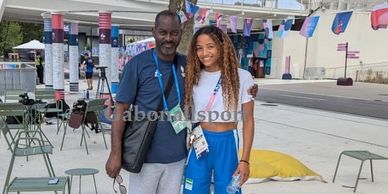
[163,168]
[164,164]
[39,67]
[88,65]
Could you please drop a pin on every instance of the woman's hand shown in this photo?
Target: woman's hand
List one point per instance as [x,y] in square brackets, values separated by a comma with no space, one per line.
[243,170]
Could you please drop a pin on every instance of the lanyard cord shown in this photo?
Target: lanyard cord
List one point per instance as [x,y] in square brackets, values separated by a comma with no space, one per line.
[213,96]
[159,76]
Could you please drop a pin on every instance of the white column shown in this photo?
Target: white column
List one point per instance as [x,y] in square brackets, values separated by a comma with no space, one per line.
[73,57]
[48,50]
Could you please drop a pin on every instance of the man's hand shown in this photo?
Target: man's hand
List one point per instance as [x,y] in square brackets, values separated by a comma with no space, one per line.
[253,90]
[243,170]
[113,165]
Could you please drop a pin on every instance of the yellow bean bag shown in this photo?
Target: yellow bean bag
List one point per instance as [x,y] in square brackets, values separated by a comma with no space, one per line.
[266,164]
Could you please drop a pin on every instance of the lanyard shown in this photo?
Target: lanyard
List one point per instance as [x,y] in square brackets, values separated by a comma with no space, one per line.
[213,96]
[159,75]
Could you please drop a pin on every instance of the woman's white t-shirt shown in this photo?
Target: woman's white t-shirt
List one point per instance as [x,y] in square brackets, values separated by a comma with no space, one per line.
[218,112]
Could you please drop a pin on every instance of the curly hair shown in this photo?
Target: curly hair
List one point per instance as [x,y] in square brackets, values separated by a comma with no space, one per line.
[228,64]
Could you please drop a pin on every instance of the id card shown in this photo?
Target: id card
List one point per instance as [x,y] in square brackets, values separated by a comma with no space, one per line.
[199,141]
[178,120]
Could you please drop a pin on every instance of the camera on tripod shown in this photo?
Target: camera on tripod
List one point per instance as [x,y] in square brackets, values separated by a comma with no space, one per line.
[102,70]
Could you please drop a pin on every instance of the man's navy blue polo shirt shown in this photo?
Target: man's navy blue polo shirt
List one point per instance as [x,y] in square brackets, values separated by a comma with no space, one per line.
[140,87]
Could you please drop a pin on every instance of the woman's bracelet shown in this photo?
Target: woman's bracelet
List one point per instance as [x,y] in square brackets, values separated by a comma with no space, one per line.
[244,161]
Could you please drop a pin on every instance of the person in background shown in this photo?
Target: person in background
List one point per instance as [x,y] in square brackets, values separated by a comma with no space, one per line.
[88,65]
[39,67]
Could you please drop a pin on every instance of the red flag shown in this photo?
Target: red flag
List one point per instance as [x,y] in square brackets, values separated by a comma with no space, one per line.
[379,16]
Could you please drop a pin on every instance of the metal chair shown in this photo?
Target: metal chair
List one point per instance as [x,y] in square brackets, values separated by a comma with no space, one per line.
[363,156]
[17,112]
[48,94]
[93,106]
[13,95]
[34,146]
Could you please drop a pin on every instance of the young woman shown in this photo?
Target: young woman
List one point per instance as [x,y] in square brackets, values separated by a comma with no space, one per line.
[217,91]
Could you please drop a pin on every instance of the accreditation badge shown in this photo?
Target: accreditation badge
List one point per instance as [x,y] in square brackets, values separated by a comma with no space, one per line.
[198,141]
[177,119]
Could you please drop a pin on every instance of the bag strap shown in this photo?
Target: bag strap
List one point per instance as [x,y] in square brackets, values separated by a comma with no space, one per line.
[168,88]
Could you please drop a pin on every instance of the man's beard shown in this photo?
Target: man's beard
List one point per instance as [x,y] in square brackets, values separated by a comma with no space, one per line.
[168,51]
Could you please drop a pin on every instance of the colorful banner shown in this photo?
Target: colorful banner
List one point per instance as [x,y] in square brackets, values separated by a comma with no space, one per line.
[247,26]
[309,25]
[267,26]
[218,17]
[284,27]
[202,15]
[379,16]
[340,22]
[233,23]
[191,9]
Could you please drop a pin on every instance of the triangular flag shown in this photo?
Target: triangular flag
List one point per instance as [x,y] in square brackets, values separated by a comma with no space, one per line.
[267,25]
[308,26]
[340,22]
[247,26]
[233,23]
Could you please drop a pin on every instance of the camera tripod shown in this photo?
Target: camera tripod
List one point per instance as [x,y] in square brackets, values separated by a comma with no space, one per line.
[102,81]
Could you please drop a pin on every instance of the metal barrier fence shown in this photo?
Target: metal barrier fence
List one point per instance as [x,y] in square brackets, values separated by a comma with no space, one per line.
[371,72]
[14,75]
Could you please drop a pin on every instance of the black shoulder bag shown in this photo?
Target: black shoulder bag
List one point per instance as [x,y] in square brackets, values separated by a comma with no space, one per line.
[138,135]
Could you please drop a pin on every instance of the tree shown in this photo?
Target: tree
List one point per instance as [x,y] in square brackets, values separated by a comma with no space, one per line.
[10,36]
[188,27]
[31,31]
[15,33]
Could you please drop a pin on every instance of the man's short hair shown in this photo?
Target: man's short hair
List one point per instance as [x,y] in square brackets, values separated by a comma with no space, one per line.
[166,13]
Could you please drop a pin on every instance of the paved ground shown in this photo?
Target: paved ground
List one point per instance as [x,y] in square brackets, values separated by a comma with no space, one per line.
[364,99]
[314,137]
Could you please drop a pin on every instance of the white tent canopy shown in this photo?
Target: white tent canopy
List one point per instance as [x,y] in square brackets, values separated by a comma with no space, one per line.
[33,44]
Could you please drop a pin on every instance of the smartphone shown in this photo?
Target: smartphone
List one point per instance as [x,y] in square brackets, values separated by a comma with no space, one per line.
[53,181]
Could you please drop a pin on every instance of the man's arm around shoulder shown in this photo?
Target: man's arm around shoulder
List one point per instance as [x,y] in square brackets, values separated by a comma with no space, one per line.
[113,165]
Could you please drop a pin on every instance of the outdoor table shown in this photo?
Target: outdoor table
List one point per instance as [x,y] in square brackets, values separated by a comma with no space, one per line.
[82,172]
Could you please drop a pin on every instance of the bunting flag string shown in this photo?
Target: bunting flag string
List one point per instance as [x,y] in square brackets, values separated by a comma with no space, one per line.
[379,19]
